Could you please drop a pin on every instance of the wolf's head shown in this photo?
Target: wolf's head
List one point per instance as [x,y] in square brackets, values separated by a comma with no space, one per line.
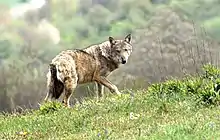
[120,49]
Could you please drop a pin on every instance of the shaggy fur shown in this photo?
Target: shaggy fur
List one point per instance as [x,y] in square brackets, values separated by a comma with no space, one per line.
[91,64]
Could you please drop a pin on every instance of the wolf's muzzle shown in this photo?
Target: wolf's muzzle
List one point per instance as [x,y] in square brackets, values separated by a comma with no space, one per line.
[123,60]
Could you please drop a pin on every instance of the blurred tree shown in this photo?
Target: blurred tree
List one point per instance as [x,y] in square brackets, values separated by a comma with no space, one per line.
[99,17]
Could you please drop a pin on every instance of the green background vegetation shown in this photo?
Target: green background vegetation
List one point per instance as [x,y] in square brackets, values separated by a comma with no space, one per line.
[176,99]
[175,109]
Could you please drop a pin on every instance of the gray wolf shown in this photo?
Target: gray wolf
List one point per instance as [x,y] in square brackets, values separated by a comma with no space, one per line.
[92,64]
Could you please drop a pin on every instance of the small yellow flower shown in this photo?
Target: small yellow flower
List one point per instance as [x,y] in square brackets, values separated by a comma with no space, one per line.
[22,133]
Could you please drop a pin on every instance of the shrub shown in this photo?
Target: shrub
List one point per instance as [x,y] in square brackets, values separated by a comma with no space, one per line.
[204,88]
[50,107]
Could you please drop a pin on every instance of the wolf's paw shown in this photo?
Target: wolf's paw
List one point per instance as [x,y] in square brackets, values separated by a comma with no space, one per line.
[119,94]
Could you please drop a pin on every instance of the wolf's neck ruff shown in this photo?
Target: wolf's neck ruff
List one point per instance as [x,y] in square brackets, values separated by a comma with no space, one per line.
[105,49]
[102,50]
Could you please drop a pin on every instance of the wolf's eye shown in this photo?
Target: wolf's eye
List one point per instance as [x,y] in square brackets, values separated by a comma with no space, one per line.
[126,50]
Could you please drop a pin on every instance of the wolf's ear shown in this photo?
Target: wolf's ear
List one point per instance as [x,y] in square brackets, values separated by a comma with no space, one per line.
[111,40]
[128,38]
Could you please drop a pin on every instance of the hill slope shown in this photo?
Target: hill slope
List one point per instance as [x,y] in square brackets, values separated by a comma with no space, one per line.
[139,116]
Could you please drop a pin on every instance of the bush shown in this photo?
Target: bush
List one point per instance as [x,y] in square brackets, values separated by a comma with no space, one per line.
[204,87]
[50,107]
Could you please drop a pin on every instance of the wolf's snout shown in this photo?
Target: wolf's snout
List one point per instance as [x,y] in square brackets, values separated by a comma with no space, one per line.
[123,60]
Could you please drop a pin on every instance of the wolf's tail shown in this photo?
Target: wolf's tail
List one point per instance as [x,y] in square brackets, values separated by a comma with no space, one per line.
[53,71]
[56,88]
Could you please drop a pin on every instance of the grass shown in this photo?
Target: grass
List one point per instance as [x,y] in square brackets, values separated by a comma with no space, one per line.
[141,116]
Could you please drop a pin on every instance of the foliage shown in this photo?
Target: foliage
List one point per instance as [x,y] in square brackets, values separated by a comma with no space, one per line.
[204,88]
[50,107]
[9,2]
[212,27]
[138,117]
[164,111]
[25,54]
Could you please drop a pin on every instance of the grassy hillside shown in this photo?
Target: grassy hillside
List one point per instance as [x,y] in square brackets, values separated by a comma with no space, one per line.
[175,109]
[143,117]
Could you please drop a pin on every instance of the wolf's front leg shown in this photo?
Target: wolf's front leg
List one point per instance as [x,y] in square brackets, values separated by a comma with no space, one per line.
[100,90]
[108,84]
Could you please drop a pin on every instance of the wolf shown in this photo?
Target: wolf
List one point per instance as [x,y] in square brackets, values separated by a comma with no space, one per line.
[91,64]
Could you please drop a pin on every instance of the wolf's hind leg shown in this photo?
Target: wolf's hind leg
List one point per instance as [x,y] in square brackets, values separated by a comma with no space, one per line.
[69,87]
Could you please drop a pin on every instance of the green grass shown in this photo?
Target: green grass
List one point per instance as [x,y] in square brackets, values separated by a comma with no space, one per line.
[140,117]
